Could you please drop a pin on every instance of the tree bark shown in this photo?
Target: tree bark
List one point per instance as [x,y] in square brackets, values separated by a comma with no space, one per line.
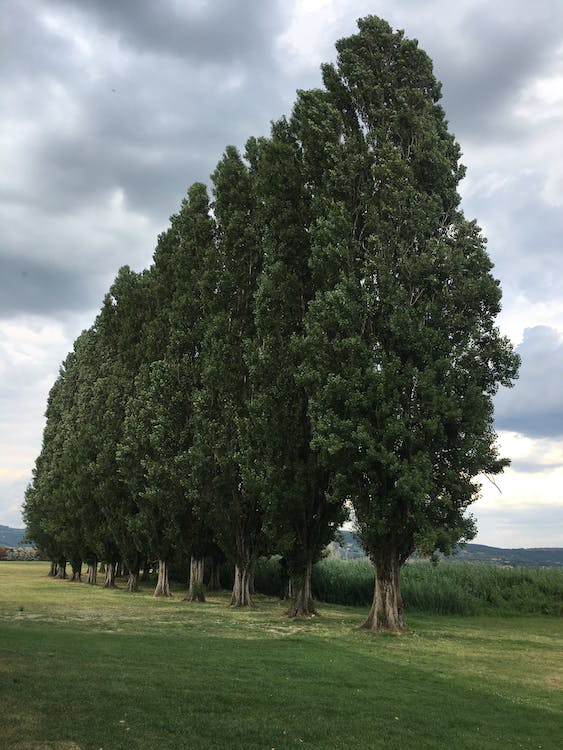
[241,587]
[61,571]
[288,590]
[386,612]
[76,572]
[109,583]
[214,583]
[92,574]
[302,605]
[133,580]
[195,588]
[162,585]
[54,570]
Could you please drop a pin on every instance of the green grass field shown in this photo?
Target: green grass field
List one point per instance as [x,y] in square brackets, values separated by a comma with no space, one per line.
[82,667]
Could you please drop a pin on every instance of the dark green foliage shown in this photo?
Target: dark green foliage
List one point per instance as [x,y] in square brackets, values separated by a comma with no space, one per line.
[270,577]
[227,493]
[58,503]
[402,356]
[147,457]
[299,513]
[321,336]
[127,309]
[158,432]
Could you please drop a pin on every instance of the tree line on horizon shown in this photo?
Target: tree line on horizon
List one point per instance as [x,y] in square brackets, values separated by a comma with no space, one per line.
[318,334]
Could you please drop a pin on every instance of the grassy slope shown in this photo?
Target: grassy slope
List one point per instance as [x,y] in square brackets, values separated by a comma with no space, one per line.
[85,668]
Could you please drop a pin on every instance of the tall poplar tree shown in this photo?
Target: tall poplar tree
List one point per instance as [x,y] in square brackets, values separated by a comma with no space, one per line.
[159,424]
[195,250]
[403,356]
[42,495]
[300,515]
[228,496]
[62,502]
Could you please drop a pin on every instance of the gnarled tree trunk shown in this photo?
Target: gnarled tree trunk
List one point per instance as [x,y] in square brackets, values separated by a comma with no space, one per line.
[241,596]
[162,585]
[76,576]
[54,570]
[92,573]
[195,588]
[302,605]
[133,580]
[109,583]
[386,612]
[61,571]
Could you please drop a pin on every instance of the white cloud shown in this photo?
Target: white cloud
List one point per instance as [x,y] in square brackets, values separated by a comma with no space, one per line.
[511,526]
[307,38]
[519,313]
[524,505]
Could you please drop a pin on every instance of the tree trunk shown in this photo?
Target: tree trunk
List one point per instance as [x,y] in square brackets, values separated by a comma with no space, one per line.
[302,605]
[61,572]
[102,568]
[288,590]
[133,580]
[386,612]
[214,583]
[92,574]
[146,571]
[109,583]
[241,587]
[162,585]
[195,588]
[54,570]
[76,572]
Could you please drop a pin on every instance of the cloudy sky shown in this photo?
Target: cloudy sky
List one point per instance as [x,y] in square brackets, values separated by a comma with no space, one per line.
[109,110]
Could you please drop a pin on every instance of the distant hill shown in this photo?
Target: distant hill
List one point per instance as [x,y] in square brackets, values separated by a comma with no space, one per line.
[11,537]
[546,557]
[348,548]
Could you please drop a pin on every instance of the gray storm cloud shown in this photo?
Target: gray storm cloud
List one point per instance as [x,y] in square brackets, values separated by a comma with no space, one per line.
[142,98]
[534,407]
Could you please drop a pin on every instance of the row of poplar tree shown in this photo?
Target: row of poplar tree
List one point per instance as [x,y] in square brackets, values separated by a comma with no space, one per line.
[320,334]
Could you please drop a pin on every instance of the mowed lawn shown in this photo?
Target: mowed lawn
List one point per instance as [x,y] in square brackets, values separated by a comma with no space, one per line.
[82,667]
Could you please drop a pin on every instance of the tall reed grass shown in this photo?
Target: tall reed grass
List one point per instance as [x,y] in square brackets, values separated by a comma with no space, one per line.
[445,588]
